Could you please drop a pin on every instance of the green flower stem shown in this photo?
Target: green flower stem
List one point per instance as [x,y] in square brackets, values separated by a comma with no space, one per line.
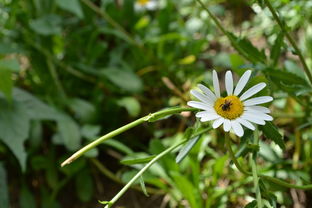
[253,162]
[140,173]
[232,155]
[290,39]
[219,25]
[151,117]
[268,178]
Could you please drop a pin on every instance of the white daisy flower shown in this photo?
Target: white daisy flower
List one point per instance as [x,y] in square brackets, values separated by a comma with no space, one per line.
[141,5]
[234,110]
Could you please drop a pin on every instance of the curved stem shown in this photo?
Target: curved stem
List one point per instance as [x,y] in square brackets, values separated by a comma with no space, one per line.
[155,159]
[268,178]
[151,117]
[253,162]
[219,25]
[111,21]
[290,39]
[232,155]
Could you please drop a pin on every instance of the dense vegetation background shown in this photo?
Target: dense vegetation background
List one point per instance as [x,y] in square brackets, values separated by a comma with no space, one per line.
[71,71]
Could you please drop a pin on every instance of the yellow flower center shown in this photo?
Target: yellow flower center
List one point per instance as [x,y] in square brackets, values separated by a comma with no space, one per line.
[142,2]
[229,107]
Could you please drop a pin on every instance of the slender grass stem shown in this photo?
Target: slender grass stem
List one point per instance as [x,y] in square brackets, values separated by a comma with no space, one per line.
[155,159]
[223,30]
[253,162]
[150,118]
[290,39]
[111,21]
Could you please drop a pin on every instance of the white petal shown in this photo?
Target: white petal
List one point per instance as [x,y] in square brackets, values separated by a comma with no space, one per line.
[226,125]
[229,82]
[242,82]
[253,90]
[208,92]
[246,123]
[258,108]
[218,122]
[199,105]
[202,97]
[258,100]
[259,115]
[205,113]
[253,119]
[210,117]
[238,129]
[216,85]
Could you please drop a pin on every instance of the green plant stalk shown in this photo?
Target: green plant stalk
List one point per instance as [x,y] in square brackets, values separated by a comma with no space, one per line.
[111,21]
[55,78]
[219,25]
[113,177]
[253,162]
[124,128]
[290,39]
[268,178]
[140,173]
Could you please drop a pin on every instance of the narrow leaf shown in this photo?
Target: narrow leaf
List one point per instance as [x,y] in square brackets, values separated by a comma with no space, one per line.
[142,184]
[271,132]
[186,149]
[137,160]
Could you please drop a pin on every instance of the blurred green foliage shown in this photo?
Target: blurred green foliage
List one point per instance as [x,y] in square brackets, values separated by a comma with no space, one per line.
[71,71]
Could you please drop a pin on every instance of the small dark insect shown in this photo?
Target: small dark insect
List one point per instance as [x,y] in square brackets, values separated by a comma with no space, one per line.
[226,105]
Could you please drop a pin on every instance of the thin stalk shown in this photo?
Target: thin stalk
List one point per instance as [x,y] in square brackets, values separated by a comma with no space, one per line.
[151,117]
[140,173]
[290,39]
[111,21]
[253,162]
[232,155]
[113,177]
[268,178]
[55,78]
[219,25]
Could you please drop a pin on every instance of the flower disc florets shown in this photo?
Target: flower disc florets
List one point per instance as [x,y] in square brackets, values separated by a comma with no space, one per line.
[229,107]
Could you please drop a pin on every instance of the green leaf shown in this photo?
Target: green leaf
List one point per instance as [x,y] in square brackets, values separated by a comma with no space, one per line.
[10,64]
[118,145]
[84,110]
[246,48]
[69,132]
[137,158]
[186,149]
[288,81]
[125,79]
[6,83]
[279,76]
[277,47]
[271,132]
[188,190]
[142,184]
[131,104]
[14,128]
[90,132]
[252,204]
[84,186]
[35,108]
[237,63]
[4,195]
[72,6]
[46,25]
[27,200]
